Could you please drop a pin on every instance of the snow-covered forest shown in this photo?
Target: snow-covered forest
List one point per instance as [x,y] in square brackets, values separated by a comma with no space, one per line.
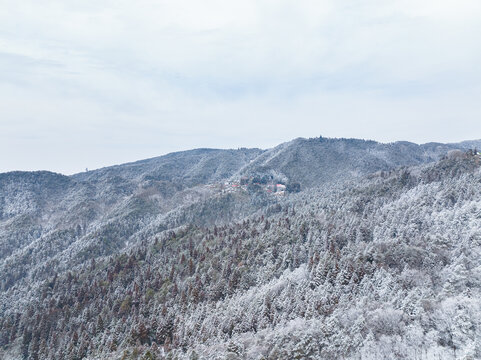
[382,264]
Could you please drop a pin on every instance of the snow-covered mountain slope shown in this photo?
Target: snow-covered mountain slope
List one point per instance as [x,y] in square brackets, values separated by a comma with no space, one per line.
[47,217]
[313,162]
[160,256]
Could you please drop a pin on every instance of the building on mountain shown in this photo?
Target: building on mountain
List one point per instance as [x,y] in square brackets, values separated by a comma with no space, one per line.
[280,187]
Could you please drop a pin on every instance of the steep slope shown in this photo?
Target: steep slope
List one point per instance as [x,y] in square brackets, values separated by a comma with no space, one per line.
[60,235]
[50,219]
[26,192]
[313,162]
[384,267]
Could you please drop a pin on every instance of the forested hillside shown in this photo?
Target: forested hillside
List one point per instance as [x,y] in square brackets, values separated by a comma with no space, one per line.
[314,162]
[156,260]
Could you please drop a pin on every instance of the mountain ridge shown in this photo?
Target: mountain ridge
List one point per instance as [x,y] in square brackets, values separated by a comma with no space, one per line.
[148,247]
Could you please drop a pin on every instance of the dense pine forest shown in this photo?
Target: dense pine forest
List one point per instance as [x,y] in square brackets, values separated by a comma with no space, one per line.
[383,262]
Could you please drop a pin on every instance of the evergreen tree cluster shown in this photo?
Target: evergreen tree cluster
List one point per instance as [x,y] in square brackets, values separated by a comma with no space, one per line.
[387,267]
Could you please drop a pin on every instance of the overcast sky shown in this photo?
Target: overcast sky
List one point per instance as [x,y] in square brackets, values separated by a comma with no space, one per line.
[94,83]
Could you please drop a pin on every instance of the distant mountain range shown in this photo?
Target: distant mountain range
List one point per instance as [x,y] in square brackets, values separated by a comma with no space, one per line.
[37,208]
[311,162]
[54,226]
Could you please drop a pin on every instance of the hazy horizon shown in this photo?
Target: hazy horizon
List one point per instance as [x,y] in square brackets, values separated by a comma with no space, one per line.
[91,84]
[217,148]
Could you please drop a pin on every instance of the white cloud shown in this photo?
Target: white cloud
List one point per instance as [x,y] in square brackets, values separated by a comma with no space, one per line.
[121,80]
